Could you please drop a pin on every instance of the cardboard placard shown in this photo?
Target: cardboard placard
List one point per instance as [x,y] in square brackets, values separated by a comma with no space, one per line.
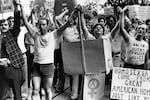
[130,84]
[6,6]
[94,57]
[109,11]
[94,85]
[141,12]
[59,6]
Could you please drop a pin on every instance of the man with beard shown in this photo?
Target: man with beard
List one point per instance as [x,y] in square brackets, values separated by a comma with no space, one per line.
[136,48]
[43,64]
[11,59]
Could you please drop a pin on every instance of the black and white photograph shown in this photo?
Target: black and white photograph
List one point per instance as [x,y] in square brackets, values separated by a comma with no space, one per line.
[74,49]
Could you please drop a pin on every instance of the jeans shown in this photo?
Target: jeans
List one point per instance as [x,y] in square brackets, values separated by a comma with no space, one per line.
[12,78]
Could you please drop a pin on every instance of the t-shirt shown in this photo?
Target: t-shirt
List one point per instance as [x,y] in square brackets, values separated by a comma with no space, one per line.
[136,51]
[44,48]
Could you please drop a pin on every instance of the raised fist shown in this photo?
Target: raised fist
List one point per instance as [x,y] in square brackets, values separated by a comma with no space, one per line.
[78,8]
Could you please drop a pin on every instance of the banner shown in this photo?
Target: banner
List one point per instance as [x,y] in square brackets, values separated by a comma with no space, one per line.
[94,57]
[42,7]
[109,11]
[94,85]
[6,6]
[60,4]
[130,84]
[141,12]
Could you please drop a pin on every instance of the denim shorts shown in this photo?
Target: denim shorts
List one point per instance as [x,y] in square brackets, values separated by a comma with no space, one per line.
[43,70]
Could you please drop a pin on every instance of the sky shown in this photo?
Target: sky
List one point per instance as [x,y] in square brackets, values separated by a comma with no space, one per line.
[26,4]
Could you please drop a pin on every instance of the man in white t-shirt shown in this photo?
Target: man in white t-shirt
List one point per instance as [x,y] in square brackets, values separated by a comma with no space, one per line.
[44,43]
[21,44]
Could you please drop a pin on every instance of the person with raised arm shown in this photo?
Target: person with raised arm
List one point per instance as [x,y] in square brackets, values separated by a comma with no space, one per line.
[44,42]
[136,47]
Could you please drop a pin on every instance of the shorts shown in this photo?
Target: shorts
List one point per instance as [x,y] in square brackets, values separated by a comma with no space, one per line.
[43,70]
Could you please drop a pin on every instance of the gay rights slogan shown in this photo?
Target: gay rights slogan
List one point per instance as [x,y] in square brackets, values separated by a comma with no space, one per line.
[130,84]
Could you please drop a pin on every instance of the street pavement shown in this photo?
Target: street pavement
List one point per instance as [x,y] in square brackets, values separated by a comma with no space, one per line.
[65,95]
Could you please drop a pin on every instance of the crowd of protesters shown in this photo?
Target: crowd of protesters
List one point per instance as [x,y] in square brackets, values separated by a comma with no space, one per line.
[30,48]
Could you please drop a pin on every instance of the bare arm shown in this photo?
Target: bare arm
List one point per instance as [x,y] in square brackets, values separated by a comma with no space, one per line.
[115,29]
[86,33]
[30,29]
[124,32]
[61,29]
[16,27]
[61,16]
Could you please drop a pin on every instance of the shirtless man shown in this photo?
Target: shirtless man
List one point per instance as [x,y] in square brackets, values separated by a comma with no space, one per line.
[136,47]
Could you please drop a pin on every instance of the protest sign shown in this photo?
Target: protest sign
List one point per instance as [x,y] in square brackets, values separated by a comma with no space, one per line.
[141,12]
[130,84]
[59,6]
[94,57]
[94,85]
[6,6]
[42,7]
[109,11]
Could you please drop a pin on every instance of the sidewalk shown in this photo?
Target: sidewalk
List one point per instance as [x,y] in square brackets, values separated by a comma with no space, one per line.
[65,95]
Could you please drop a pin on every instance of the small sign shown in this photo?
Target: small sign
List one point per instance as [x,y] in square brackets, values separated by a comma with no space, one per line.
[94,85]
[6,6]
[141,12]
[109,11]
[130,84]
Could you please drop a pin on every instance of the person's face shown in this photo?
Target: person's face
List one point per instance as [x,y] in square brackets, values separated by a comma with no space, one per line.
[43,26]
[4,26]
[102,22]
[111,20]
[141,30]
[98,30]
[11,23]
[146,36]
[132,32]
[136,20]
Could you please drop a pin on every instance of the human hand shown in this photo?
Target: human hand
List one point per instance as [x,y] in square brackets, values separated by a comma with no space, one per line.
[125,8]
[78,8]
[119,9]
[4,62]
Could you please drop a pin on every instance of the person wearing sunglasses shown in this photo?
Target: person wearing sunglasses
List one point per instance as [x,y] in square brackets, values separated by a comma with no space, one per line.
[11,59]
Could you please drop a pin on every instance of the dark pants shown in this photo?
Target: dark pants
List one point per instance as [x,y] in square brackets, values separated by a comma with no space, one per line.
[30,58]
[59,75]
[11,77]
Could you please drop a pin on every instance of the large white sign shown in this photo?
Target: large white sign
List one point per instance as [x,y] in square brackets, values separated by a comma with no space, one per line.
[141,12]
[6,6]
[130,84]
[94,85]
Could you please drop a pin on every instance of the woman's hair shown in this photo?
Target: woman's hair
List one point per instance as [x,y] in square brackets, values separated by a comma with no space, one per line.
[92,31]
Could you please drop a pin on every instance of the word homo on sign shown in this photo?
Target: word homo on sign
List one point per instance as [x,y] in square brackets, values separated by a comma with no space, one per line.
[130,84]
